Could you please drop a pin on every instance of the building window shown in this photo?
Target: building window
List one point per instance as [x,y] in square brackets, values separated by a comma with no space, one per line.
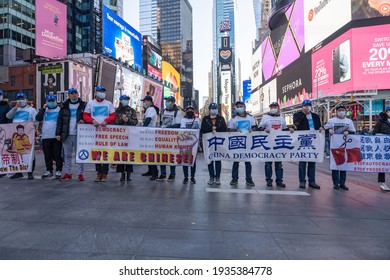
[31,79]
[13,81]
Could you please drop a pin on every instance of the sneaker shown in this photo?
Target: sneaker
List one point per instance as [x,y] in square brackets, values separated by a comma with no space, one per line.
[30,176]
[211,181]
[344,187]
[47,174]
[336,187]
[104,178]
[234,182]
[58,174]
[327,157]
[149,173]
[269,183]
[16,176]
[193,181]
[250,183]
[314,186]
[66,176]
[217,181]
[280,184]
[98,178]
[171,178]
[161,178]
[302,185]
[81,177]
[2,175]
[384,187]
[153,178]
[185,181]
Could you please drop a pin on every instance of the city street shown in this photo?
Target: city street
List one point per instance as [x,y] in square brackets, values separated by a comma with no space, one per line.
[49,219]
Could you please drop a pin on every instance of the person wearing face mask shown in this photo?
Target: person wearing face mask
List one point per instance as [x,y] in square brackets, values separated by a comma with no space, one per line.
[150,120]
[70,114]
[213,123]
[340,125]
[307,120]
[125,115]
[100,112]
[382,126]
[170,118]
[22,112]
[190,121]
[4,108]
[244,123]
[273,121]
[52,148]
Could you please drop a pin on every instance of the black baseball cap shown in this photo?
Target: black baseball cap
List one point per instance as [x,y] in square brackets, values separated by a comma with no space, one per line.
[147,98]
[170,98]
[213,106]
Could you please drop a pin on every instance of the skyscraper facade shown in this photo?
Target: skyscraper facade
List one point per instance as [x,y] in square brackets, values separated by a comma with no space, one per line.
[223,10]
[170,24]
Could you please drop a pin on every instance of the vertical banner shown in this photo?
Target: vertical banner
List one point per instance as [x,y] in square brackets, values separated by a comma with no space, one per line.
[360,153]
[226,93]
[16,147]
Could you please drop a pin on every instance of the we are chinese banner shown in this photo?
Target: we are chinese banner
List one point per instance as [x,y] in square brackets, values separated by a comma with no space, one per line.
[136,145]
[360,153]
[17,147]
[261,146]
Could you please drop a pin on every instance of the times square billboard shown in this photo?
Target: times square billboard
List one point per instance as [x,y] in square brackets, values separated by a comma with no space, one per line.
[120,40]
[50,33]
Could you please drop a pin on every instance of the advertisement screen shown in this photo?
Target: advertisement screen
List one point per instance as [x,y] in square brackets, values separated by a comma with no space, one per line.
[362,9]
[256,76]
[107,74]
[294,83]
[246,89]
[120,40]
[226,93]
[52,78]
[267,95]
[130,84]
[285,42]
[154,63]
[155,90]
[50,29]
[225,55]
[170,75]
[331,67]
[80,77]
[324,17]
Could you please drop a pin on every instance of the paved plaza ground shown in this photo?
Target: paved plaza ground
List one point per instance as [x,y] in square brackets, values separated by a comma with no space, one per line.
[50,219]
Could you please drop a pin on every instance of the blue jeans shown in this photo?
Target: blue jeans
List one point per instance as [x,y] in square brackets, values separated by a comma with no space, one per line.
[163,169]
[248,171]
[218,166]
[339,177]
[311,171]
[193,170]
[278,171]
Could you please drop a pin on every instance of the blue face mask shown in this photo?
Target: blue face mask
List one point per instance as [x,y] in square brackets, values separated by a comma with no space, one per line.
[22,103]
[214,111]
[167,104]
[145,106]
[51,104]
[74,100]
[101,94]
[240,110]
[125,102]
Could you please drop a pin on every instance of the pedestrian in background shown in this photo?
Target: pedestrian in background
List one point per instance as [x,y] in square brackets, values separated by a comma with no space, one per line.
[307,120]
[244,123]
[213,123]
[382,126]
[52,148]
[5,107]
[100,112]
[340,124]
[125,115]
[273,121]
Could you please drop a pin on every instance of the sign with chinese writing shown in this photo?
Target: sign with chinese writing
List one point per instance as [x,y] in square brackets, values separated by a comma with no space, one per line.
[16,147]
[360,153]
[260,146]
[136,145]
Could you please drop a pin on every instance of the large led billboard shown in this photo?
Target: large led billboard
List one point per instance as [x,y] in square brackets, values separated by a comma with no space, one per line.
[130,84]
[294,84]
[152,57]
[267,95]
[324,17]
[120,40]
[226,93]
[170,75]
[155,90]
[50,28]
[246,90]
[362,9]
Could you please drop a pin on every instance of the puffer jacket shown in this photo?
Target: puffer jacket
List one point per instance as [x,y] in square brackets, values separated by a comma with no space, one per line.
[382,125]
[63,121]
[4,109]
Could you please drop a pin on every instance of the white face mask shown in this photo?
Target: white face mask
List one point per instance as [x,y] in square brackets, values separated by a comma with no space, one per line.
[101,94]
[341,114]
[273,111]
[22,103]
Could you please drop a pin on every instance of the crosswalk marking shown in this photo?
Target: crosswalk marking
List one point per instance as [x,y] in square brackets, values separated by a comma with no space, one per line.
[275,192]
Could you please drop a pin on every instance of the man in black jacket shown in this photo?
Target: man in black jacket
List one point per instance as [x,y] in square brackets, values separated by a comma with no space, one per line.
[213,123]
[307,120]
[71,114]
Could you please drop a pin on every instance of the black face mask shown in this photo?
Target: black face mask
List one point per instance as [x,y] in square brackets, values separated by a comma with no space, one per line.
[190,114]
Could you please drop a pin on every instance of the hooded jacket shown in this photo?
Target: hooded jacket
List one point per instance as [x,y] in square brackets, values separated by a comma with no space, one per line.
[382,125]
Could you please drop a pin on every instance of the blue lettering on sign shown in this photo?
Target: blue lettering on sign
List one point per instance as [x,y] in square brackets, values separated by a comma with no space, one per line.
[378,156]
[369,156]
[216,141]
[387,148]
[260,141]
[283,142]
[378,148]
[377,140]
[237,142]
[306,141]
[367,140]
[387,140]
[369,148]
[387,156]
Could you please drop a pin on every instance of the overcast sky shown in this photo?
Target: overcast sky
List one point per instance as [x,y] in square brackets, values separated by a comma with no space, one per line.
[202,36]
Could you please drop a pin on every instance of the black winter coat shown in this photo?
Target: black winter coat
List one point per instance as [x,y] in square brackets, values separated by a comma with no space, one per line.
[63,121]
[301,123]
[207,125]
[382,125]
[4,109]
